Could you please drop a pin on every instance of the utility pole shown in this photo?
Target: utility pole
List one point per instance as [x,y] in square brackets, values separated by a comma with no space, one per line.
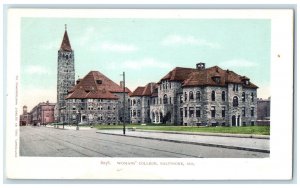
[124,106]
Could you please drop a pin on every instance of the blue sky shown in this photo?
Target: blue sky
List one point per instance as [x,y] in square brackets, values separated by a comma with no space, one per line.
[146,49]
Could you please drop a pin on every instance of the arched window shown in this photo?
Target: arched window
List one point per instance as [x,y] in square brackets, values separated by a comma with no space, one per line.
[243,97]
[165,99]
[235,101]
[223,96]
[185,96]
[191,94]
[198,96]
[134,102]
[213,95]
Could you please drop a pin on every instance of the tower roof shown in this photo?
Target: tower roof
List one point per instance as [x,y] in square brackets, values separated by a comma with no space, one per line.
[65,44]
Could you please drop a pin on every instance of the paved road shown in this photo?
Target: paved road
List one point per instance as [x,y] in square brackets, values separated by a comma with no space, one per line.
[51,142]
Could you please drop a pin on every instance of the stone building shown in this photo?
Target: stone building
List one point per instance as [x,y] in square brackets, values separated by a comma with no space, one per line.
[96,99]
[204,96]
[141,99]
[65,75]
[43,113]
[25,117]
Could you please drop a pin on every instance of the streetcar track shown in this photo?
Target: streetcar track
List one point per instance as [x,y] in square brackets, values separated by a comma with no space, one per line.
[120,143]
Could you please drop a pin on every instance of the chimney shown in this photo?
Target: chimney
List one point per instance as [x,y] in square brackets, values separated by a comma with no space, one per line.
[121,84]
[200,66]
[77,81]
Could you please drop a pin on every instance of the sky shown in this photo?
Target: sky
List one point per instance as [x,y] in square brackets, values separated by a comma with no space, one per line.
[145,49]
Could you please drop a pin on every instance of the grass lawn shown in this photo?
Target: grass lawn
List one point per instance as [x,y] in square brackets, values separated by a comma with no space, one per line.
[260,130]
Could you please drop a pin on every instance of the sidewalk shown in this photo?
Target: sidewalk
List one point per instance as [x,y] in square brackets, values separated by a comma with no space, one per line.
[240,142]
[68,127]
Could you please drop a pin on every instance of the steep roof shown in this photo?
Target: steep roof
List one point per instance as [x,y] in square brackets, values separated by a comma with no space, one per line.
[204,77]
[144,91]
[65,44]
[178,74]
[95,85]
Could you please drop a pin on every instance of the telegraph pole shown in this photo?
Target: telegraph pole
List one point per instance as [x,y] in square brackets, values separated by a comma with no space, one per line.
[124,103]
[124,106]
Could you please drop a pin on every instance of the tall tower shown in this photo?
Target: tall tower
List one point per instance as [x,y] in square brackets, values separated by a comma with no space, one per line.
[65,74]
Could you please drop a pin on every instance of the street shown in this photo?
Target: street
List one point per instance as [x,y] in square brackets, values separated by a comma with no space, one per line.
[52,142]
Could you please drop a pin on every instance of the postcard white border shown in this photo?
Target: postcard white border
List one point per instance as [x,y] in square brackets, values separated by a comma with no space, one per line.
[277,167]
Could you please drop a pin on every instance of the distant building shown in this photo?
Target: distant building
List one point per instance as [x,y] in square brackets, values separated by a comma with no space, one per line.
[263,111]
[95,99]
[25,117]
[197,96]
[43,113]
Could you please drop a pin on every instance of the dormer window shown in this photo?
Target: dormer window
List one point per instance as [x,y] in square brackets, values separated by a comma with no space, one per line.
[99,81]
[247,82]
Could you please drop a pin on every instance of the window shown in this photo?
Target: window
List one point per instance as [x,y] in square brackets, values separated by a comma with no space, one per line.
[170,85]
[244,111]
[252,111]
[159,100]
[213,111]
[134,113]
[191,94]
[99,81]
[185,111]
[148,102]
[133,102]
[165,99]
[138,113]
[197,111]
[181,99]
[198,96]
[213,95]
[235,101]
[108,107]
[223,96]
[243,97]
[170,100]
[223,111]
[181,112]
[185,96]
[138,102]
[235,87]
[252,97]
[191,110]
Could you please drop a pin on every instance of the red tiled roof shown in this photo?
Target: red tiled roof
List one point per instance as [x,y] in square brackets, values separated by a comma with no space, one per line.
[144,91]
[206,77]
[95,85]
[178,74]
[65,44]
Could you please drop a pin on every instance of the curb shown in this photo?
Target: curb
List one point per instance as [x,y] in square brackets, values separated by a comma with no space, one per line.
[194,143]
[211,134]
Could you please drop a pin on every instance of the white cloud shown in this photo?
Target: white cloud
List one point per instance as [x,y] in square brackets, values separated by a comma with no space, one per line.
[187,40]
[35,69]
[140,64]
[87,37]
[238,63]
[114,47]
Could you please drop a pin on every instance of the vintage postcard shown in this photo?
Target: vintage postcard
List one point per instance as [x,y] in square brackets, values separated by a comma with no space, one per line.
[149,94]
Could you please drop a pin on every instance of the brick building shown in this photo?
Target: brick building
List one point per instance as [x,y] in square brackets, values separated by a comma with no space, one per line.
[42,114]
[199,96]
[263,111]
[25,118]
